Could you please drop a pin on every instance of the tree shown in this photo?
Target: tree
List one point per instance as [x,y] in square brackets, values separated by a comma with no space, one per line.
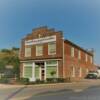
[10,57]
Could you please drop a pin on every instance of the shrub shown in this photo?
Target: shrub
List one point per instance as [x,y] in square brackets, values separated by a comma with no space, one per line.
[38,81]
[55,80]
[60,80]
[4,80]
[24,81]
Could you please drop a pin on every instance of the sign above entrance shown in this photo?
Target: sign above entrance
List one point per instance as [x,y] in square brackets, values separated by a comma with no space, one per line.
[41,40]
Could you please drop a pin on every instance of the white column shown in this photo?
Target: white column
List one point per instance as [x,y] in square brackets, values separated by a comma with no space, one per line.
[45,69]
[33,72]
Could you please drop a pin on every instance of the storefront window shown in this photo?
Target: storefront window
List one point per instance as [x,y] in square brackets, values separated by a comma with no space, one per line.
[52,48]
[51,69]
[52,62]
[37,72]
[51,72]
[27,71]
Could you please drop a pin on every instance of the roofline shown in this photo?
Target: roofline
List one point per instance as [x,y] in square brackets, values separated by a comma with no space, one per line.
[89,52]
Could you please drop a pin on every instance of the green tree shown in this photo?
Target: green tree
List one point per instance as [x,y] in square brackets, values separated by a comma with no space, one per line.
[10,57]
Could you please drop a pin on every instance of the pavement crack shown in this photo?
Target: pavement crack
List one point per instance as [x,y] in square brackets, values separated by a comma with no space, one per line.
[15,92]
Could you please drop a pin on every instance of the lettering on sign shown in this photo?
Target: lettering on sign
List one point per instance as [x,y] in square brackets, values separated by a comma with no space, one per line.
[41,40]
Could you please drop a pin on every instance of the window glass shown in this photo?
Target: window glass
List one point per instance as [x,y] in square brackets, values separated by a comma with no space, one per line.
[86,57]
[27,71]
[72,51]
[27,51]
[51,62]
[37,72]
[51,48]
[51,72]
[39,50]
[91,58]
[79,54]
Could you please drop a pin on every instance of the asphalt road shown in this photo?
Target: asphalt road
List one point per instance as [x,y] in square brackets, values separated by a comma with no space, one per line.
[92,93]
[85,90]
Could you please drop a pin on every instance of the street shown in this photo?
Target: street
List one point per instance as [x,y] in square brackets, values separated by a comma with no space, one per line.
[83,90]
[92,93]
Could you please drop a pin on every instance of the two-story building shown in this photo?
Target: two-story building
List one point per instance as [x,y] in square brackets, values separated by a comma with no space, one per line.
[45,51]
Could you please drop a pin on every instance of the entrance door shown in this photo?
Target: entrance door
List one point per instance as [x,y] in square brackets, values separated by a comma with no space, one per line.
[42,70]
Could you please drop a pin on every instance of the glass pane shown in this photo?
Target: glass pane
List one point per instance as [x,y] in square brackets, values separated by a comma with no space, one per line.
[27,71]
[51,72]
[52,48]
[51,62]
[39,50]
[37,72]
[27,52]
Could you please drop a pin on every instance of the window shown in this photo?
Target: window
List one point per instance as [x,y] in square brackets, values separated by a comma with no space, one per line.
[79,54]
[87,70]
[73,71]
[80,72]
[51,69]
[72,52]
[86,57]
[37,71]
[27,70]
[51,48]
[39,50]
[91,59]
[27,52]
[51,62]
[51,72]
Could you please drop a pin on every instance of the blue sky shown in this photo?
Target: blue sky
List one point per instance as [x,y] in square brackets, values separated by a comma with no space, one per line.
[78,19]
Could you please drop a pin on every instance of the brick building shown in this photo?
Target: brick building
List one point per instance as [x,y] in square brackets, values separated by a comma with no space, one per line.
[45,51]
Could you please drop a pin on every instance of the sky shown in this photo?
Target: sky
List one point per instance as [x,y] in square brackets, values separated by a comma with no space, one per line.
[78,19]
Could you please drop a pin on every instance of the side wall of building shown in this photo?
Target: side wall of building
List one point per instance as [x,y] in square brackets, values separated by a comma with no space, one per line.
[76,67]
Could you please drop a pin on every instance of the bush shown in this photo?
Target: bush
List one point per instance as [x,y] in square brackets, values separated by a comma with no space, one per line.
[60,80]
[55,80]
[24,81]
[38,81]
[4,80]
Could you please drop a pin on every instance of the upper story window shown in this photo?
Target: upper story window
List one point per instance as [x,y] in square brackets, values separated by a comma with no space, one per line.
[39,50]
[91,59]
[27,51]
[52,48]
[79,54]
[86,57]
[72,51]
